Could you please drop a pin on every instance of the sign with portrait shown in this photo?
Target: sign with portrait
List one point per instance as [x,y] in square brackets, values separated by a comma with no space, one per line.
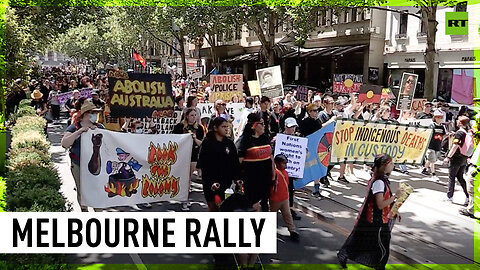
[270,81]
[406,91]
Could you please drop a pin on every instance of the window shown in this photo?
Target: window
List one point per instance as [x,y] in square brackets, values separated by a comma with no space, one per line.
[403,23]
[461,7]
[346,16]
[323,17]
[333,17]
[354,14]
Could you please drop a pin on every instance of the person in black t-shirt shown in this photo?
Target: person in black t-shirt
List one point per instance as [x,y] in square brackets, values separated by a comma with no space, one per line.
[219,162]
[458,162]
[427,112]
[433,151]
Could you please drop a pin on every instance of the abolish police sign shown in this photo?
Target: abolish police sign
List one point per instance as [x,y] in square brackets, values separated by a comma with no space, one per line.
[225,86]
[358,141]
[138,94]
[141,232]
[123,168]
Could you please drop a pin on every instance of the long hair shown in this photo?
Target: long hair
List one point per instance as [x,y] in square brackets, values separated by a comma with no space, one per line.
[216,122]
[251,119]
[379,163]
[190,101]
[380,111]
[185,118]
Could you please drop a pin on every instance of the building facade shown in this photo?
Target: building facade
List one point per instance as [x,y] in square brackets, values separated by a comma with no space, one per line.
[405,44]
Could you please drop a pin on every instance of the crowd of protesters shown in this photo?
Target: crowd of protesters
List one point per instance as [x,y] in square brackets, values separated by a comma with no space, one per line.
[222,158]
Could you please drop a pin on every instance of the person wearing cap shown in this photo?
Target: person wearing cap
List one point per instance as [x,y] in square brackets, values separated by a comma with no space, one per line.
[317,100]
[369,241]
[435,146]
[290,129]
[96,100]
[427,112]
[38,103]
[71,140]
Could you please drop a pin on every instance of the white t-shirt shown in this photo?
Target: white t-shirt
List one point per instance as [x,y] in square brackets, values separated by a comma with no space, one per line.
[378,187]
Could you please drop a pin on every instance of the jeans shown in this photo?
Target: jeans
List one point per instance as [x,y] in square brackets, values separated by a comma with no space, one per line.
[456,171]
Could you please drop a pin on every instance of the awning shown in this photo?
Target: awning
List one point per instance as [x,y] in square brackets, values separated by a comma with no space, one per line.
[326,51]
[243,57]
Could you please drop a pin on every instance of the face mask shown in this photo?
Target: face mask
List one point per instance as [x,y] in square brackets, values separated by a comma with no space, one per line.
[93,118]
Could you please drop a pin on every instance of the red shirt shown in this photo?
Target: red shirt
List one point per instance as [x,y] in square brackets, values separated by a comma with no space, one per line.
[282,188]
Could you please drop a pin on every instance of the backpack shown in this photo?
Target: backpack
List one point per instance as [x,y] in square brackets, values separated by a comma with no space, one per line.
[468,146]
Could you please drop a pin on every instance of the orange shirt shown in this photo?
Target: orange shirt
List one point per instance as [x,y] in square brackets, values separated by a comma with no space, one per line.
[282,188]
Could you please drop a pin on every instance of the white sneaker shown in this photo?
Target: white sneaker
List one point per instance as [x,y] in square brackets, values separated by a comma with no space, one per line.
[467,201]
[135,207]
[435,178]
[450,200]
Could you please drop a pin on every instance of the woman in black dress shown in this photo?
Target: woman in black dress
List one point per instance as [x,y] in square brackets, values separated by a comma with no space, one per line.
[219,162]
[369,242]
[257,167]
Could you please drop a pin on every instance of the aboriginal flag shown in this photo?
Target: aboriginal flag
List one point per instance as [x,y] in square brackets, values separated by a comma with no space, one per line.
[139,58]
[370,93]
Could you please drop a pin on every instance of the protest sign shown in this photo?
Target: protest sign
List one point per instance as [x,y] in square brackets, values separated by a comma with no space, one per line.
[302,93]
[387,93]
[138,94]
[421,122]
[295,149]
[418,104]
[270,81]
[347,83]
[162,125]
[254,88]
[63,97]
[359,141]
[225,86]
[406,91]
[126,169]
[318,156]
[233,109]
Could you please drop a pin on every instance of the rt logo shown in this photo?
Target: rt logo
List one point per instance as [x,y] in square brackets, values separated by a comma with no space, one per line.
[456,23]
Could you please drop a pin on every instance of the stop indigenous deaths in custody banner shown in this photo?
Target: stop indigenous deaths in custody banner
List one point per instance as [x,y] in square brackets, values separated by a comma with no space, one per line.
[359,141]
[123,168]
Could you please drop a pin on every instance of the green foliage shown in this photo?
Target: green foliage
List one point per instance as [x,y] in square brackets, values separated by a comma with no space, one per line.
[3,187]
[34,261]
[30,156]
[29,123]
[30,139]
[25,111]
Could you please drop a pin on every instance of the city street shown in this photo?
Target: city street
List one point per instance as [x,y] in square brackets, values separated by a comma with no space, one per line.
[431,231]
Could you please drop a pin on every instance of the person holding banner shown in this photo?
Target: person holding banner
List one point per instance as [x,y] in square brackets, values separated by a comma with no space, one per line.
[189,125]
[71,140]
[369,242]
[255,155]
[327,116]
[218,161]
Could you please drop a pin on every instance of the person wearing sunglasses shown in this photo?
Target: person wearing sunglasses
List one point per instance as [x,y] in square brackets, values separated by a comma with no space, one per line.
[221,111]
[409,85]
[256,159]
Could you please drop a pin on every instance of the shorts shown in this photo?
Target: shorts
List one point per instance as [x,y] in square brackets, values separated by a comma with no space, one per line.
[433,155]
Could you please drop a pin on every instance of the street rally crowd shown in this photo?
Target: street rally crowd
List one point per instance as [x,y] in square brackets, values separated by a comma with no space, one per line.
[240,165]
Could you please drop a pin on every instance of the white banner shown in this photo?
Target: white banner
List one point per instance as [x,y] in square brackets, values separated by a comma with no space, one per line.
[421,122]
[233,109]
[295,149]
[141,232]
[125,169]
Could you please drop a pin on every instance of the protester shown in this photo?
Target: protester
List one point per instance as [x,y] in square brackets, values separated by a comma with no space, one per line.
[435,146]
[221,111]
[256,160]
[327,116]
[427,112]
[192,102]
[369,242]
[38,103]
[189,125]
[290,129]
[309,126]
[469,211]
[45,89]
[179,103]
[78,105]
[279,195]
[71,140]
[457,157]
[245,112]
[70,104]
[219,162]
[54,104]
[271,126]
[96,100]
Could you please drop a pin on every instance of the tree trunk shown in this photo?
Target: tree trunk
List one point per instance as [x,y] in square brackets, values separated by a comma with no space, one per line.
[181,40]
[429,18]
[270,53]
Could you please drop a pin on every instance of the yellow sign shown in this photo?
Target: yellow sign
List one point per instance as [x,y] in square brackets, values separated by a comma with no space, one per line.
[226,86]
[254,88]
[358,141]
